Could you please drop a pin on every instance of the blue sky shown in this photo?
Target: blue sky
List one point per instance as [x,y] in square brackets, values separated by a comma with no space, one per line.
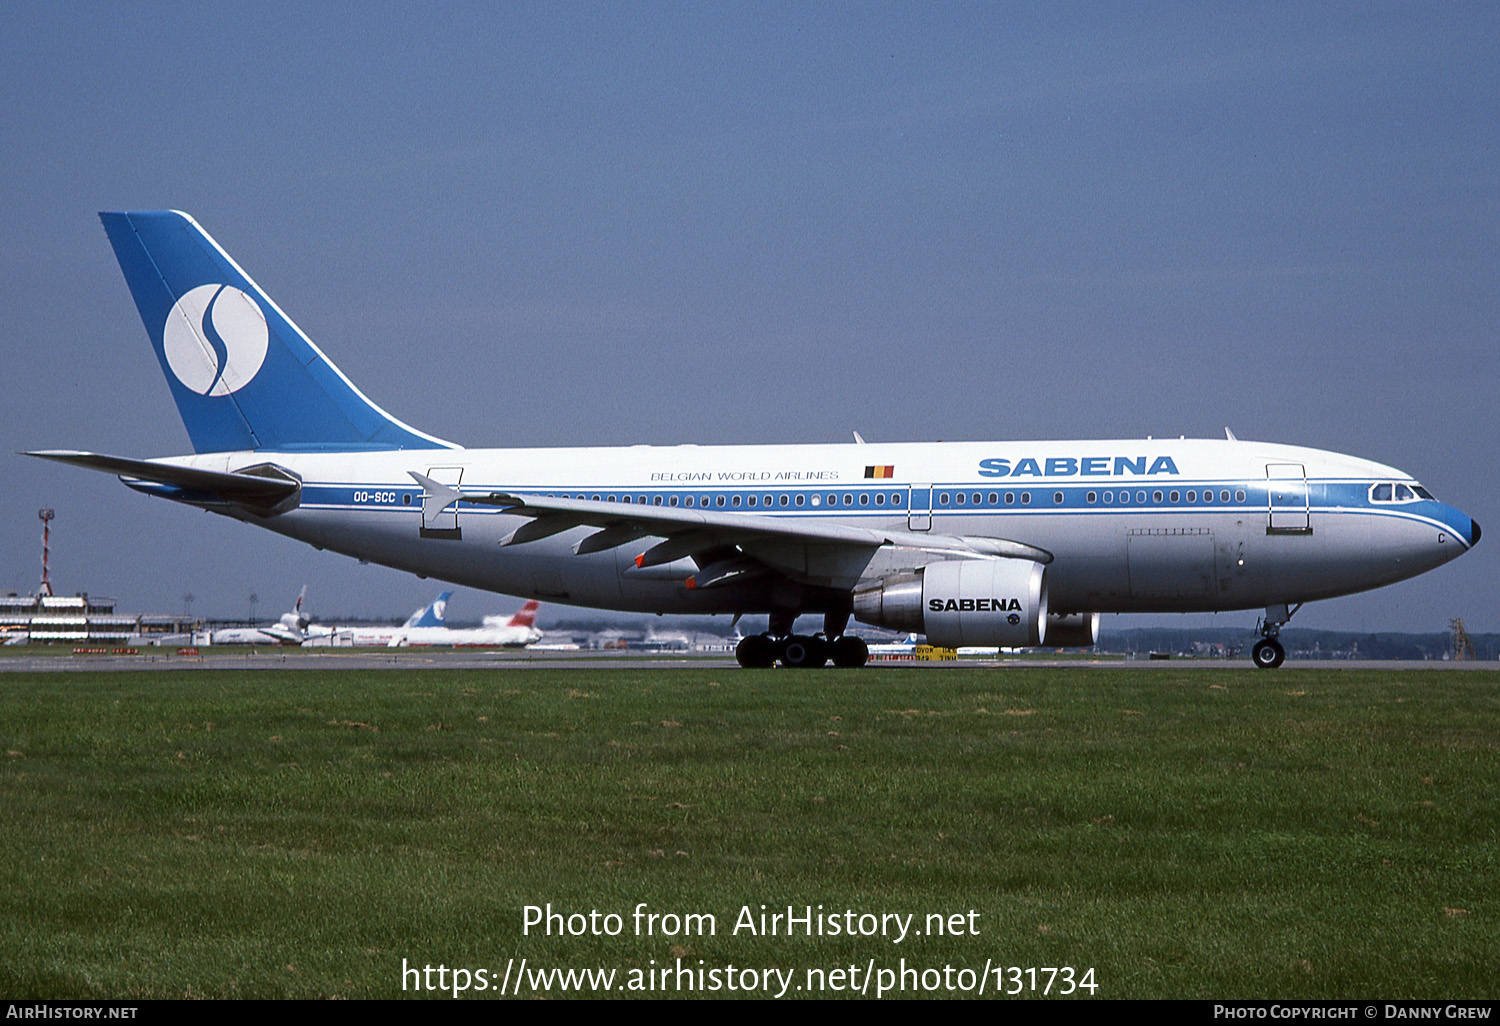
[558,224]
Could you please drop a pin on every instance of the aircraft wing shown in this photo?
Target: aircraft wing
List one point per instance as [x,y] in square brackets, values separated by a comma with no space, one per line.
[285,635]
[688,533]
[259,489]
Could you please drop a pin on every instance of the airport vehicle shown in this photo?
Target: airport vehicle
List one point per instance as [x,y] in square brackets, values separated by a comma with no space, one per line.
[428,627]
[971,543]
[294,628]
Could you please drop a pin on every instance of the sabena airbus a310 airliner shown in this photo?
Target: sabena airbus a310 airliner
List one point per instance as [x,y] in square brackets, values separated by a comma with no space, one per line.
[1007,544]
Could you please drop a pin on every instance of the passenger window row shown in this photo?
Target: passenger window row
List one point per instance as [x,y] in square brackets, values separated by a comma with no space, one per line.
[736,500]
[1124,497]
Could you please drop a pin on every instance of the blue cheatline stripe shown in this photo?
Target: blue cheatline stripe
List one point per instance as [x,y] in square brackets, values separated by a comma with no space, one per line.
[1075,499]
[1075,503]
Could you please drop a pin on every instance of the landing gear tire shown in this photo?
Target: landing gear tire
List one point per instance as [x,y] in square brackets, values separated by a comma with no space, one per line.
[850,653]
[800,651]
[757,652]
[1268,654]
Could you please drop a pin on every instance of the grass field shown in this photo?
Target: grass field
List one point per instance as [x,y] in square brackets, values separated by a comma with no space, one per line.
[1224,834]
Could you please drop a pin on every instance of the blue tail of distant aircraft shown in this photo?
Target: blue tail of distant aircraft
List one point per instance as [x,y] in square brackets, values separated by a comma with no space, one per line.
[434,615]
[243,375]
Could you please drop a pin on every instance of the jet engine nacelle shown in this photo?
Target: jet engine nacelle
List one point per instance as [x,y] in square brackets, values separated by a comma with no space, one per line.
[1073,630]
[988,602]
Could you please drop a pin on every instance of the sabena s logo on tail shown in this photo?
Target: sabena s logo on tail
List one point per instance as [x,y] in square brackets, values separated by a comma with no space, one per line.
[215,339]
[241,373]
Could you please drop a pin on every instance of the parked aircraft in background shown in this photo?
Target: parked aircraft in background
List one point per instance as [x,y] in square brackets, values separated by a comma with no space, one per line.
[665,641]
[294,628]
[428,627]
[971,543]
[516,631]
[906,646]
[431,615]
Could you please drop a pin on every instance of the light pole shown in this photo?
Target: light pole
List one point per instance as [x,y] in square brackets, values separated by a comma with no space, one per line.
[46,516]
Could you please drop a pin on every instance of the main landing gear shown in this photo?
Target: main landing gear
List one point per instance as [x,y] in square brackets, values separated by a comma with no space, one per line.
[780,645]
[761,651]
[1268,653]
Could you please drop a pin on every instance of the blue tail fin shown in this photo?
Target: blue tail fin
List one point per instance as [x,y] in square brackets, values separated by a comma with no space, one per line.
[434,615]
[243,375]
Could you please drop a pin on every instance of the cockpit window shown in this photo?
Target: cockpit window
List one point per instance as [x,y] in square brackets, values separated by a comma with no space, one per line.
[1395,491]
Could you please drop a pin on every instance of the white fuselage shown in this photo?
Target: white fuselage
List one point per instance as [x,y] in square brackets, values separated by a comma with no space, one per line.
[1133,526]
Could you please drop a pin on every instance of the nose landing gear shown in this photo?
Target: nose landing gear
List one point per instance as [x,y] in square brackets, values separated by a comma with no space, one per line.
[1268,652]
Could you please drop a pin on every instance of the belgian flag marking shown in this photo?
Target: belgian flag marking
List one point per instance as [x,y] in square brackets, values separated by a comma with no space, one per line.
[876,472]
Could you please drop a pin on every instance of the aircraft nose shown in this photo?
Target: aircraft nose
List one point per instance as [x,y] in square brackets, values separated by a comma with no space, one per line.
[1474,533]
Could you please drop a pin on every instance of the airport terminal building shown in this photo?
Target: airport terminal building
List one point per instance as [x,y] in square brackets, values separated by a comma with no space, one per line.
[79,618]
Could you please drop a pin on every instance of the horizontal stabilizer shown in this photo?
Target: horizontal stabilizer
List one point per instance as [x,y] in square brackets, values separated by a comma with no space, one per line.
[262,488]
